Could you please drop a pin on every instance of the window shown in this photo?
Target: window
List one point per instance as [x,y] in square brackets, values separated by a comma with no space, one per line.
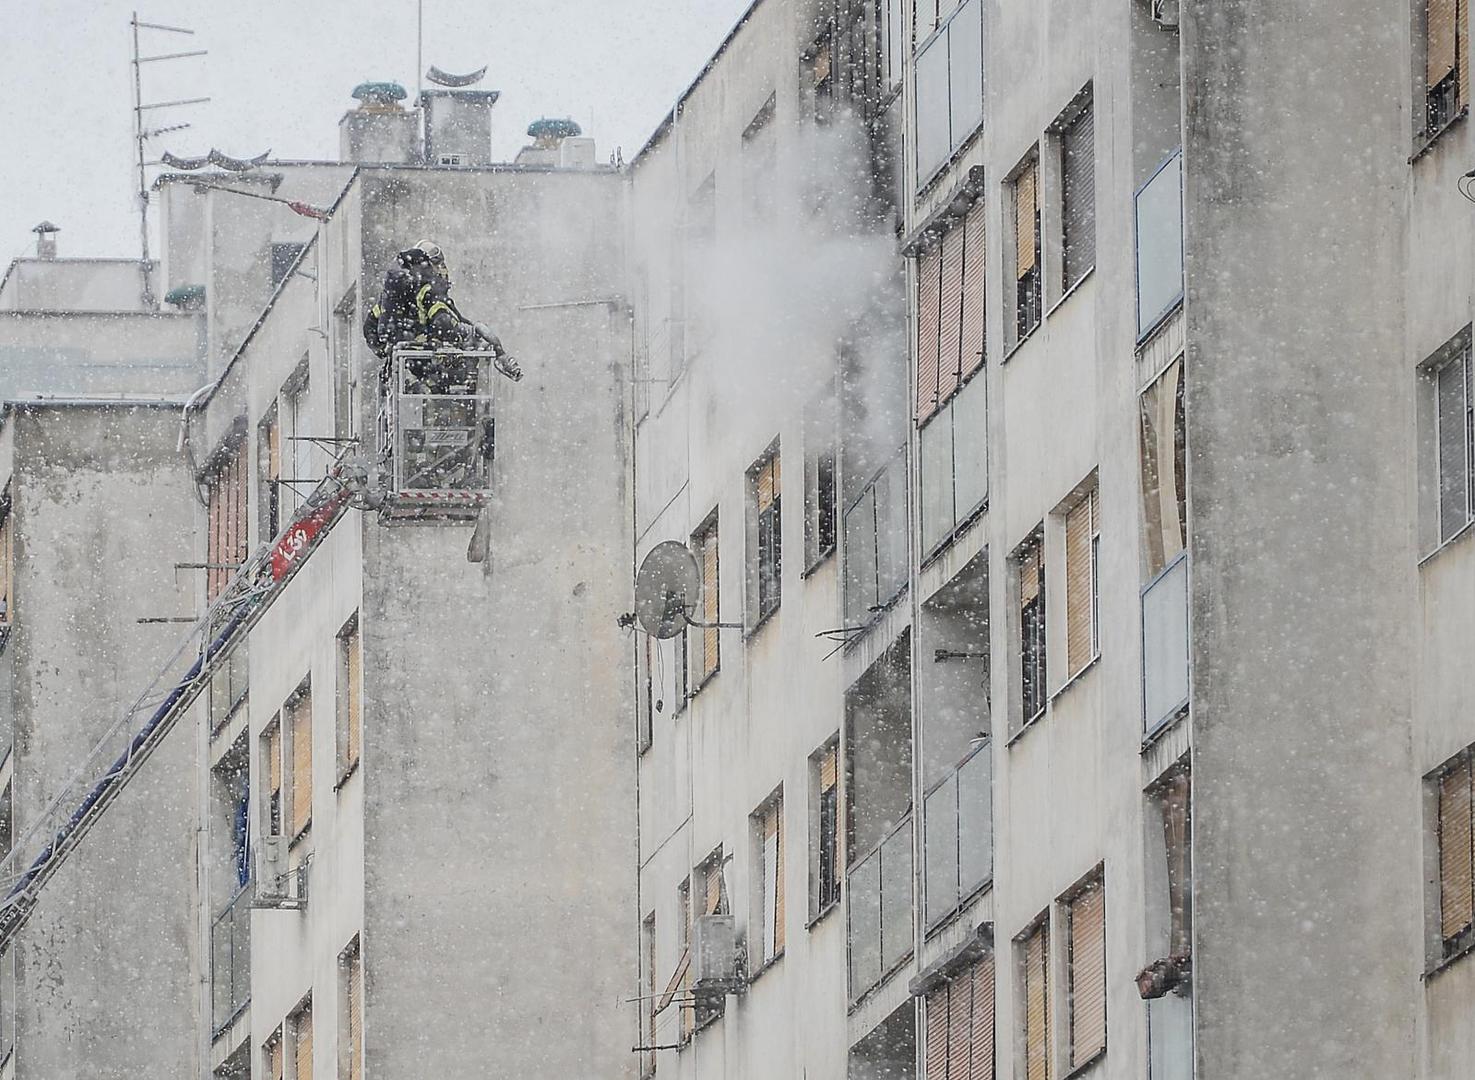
[228,539]
[350,697]
[682,977]
[1085,969]
[1078,195]
[950,314]
[896,41]
[1159,223]
[228,687]
[296,435]
[1030,568]
[1447,73]
[1454,409]
[344,381]
[960,1024]
[826,868]
[269,465]
[1035,963]
[275,1053]
[704,544]
[351,1006]
[949,84]
[765,572]
[819,63]
[1025,203]
[7,559]
[953,448]
[711,887]
[1456,841]
[645,692]
[760,160]
[767,827]
[683,669]
[820,511]
[282,257]
[648,991]
[297,714]
[302,1041]
[1162,441]
[1174,801]
[271,753]
[1082,586]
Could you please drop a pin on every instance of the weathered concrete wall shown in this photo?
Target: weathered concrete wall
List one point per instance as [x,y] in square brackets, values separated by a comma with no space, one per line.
[1306,873]
[75,285]
[82,354]
[498,790]
[106,965]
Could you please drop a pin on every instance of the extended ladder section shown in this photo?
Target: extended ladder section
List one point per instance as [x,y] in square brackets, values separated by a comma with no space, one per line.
[122,751]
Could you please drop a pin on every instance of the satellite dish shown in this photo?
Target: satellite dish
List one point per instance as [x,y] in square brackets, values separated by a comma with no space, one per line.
[667,589]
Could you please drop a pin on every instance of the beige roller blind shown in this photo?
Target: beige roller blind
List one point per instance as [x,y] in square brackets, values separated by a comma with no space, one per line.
[356,1015]
[276,1057]
[302,1042]
[1029,574]
[981,1066]
[775,826]
[937,1044]
[7,568]
[959,1027]
[929,292]
[1442,28]
[1079,529]
[1025,219]
[1088,975]
[768,483]
[950,314]
[829,770]
[1456,891]
[1036,1006]
[300,714]
[712,886]
[975,262]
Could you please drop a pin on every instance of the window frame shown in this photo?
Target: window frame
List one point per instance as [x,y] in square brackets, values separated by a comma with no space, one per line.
[1457,352]
[351,1049]
[292,713]
[825,890]
[765,564]
[940,37]
[1436,116]
[1038,926]
[1444,949]
[711,612]
[1086,499]
[348,699]
[1093,885]
[768,907]
[1031,628]
[1025,300]
[821,480]
[1081,108]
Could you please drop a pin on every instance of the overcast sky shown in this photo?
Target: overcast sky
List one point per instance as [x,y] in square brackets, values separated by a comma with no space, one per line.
[280,73]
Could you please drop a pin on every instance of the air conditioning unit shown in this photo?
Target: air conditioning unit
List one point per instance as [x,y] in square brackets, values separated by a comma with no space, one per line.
[279,885]
[1165,13]
[716,957]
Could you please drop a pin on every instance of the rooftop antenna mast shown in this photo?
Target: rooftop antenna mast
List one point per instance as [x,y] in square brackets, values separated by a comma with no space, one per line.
[142,134]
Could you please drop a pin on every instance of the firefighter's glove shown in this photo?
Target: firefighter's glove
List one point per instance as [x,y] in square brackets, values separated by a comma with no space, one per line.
[508,366]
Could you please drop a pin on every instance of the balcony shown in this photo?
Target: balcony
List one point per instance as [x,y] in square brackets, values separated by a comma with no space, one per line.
[958,849]
[875,535]
[230,960]
[1165,663]
[879,887]
[1158,220]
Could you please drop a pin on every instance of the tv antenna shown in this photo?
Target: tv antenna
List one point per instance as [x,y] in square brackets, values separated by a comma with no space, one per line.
[667,589]
[142,134]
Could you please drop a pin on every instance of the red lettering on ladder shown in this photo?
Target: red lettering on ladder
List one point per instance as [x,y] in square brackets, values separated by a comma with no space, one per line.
[299,538]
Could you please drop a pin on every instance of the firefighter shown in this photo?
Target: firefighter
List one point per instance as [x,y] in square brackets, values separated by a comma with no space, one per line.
[415,307]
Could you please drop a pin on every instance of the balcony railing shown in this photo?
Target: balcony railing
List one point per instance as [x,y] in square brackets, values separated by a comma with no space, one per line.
[875,532]
[1165,662]
[958,849]
[954,465]
[879,887]
[1158,215]
[230,959]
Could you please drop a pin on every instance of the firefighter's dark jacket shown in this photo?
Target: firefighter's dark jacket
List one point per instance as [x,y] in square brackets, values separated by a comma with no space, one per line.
[415,305]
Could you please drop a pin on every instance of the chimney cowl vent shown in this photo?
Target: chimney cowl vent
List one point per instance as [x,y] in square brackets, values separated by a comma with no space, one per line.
[379,96]
[46,239]
[548,132]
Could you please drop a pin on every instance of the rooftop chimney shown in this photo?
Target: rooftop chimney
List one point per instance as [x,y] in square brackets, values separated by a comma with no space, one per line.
[46,240]
[380,130]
